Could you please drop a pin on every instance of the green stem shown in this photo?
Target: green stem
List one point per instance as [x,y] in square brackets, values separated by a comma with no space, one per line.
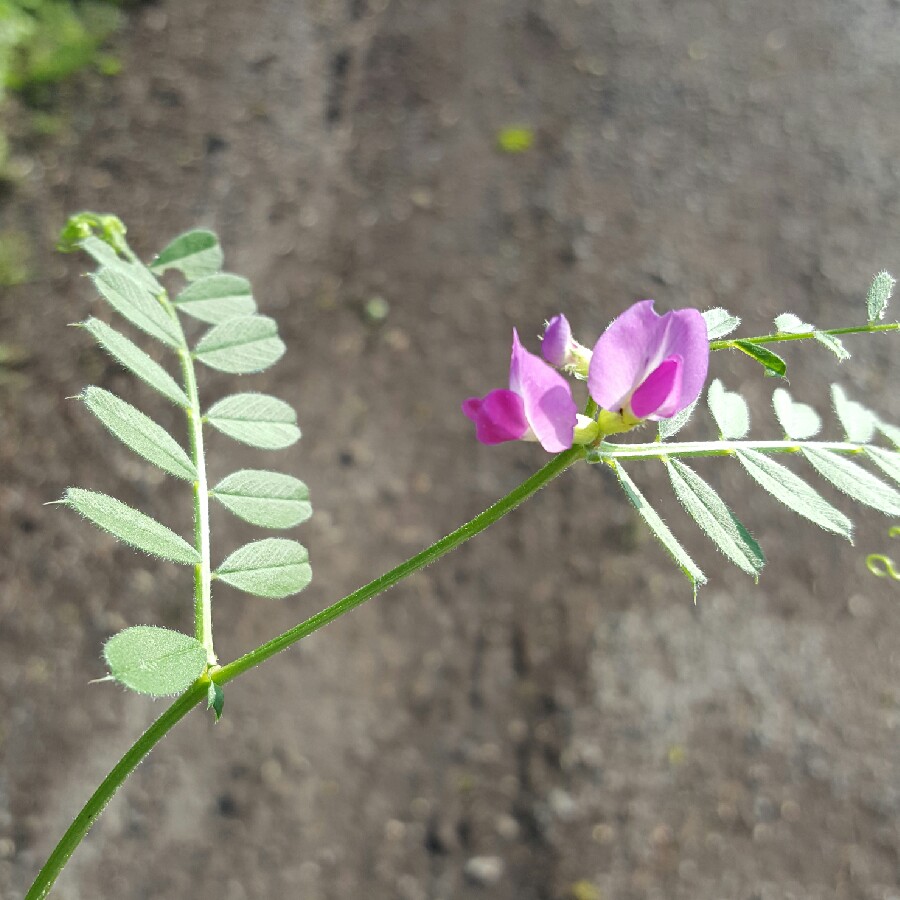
[803,336]
[660,449]
[197,692]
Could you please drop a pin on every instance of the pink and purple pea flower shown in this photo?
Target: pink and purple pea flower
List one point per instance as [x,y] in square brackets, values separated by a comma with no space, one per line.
[644,366]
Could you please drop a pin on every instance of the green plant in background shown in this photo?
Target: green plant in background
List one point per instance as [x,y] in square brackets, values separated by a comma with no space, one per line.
[652,367]
[45,41]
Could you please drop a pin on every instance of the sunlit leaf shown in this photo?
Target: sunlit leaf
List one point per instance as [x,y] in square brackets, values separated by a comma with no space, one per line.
[242,345]
[217,298]
[136,361]
[670,427]
[833,344]
[140,433]
[267,499]
[771,362]
[660,530]
[794,492]
[854,481]
[719,322]
[788,323]
[712,515]
[155,661]
[255,419]
[798,420]
[195,254]
[886,460]
[274,568]
[131,526]
[132,300]
[859,423]
[879,295]
[730,411]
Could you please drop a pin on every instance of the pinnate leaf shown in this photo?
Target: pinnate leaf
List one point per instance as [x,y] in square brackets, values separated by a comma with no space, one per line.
[217,298]
[274,567]
[140,433]
[798,420]
[132,300]
[241,345]
[859,423]
[267,499]
[255,419]
[730,411]
[854,480]
[136,361]
[712,515]
[719,322]
[794,492]
[131,526]
[195,254]
[155,661]
[660,530]
[771,362]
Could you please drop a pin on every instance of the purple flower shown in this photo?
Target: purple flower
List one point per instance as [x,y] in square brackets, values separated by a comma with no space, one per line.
[648,366]
[538,405]
[557,341]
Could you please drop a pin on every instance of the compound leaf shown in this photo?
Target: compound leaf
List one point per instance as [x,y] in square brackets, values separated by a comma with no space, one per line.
[132,300]
[217,298]
[712,515]
[798,420]
[854,480]
[794,492]
[195,254]
[719,322]
[771,362]
[131,526]
[241,345]
[136,361]
[274,567]
[730,411]
[140,433]
[155,661]
[660,530]
[255,419]
[267,499]
[859,423]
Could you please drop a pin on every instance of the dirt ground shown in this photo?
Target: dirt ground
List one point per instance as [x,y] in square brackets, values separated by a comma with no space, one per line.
[544,715]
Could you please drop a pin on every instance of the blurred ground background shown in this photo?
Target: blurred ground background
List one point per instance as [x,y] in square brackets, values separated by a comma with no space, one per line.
[545,714]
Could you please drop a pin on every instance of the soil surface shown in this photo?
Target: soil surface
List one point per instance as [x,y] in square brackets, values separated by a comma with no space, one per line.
[545,714]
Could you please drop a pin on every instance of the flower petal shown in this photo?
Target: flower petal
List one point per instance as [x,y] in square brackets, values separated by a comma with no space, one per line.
[498,417]
[686,336]
[547,397]
[556,341]
[663,383]
[623,354]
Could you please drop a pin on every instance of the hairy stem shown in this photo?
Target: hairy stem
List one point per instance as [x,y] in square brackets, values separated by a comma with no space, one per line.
[731,344]
[197,692]
[661,449]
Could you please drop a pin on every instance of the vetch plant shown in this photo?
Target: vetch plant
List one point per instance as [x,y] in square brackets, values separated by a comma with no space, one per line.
[645,370]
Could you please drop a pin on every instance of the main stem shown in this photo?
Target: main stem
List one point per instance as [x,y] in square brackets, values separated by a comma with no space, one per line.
[731,343]
[197,692]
